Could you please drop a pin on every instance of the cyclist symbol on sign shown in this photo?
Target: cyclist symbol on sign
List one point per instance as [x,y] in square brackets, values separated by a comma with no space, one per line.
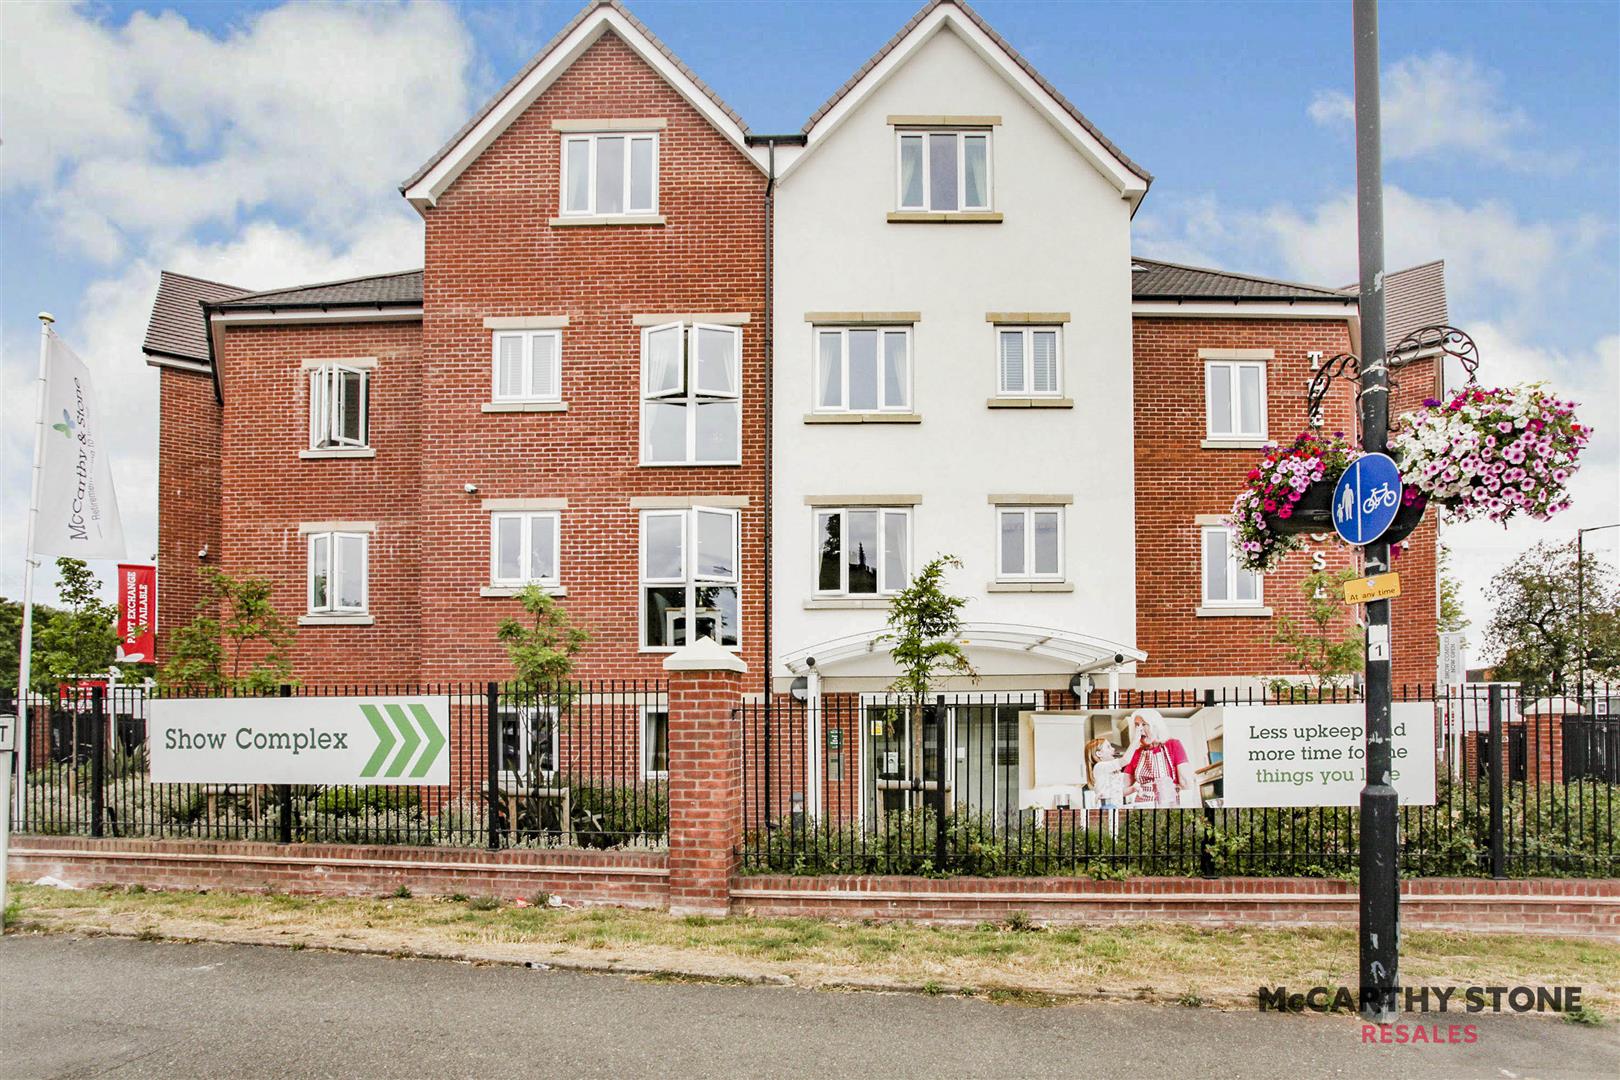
[1382,495]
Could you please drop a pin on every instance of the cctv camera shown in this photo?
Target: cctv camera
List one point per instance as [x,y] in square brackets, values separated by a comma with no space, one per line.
[471,489]
[203,554]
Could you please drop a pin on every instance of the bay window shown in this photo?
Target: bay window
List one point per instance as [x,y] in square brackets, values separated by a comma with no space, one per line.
[691,408]
[605,175]
[944,171]
[863,370]
[690,578]
[862,551]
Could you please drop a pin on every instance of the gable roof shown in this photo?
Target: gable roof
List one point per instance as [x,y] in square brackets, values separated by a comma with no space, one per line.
[1156,280]
[598,17]
[401,288]
[178,329]
[957,14]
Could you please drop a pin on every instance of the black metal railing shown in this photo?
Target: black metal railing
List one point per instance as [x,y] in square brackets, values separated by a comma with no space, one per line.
[902,787]
[579,765]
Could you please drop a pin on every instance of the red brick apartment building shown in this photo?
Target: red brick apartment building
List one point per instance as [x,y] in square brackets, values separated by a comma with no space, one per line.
[574,390]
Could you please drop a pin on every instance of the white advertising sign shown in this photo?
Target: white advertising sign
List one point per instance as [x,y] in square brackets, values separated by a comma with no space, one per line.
[1312,755]
[78,511]
[8,733]
[1452,669]
[300,740]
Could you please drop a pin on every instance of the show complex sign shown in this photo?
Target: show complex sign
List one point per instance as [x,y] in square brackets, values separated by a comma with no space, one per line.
[302,740]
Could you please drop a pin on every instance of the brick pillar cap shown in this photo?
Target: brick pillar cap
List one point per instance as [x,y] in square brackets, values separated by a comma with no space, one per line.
[704,654]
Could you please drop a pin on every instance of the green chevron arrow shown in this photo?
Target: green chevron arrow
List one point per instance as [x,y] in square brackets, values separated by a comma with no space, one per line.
[412,738]
[385,740]
[435,741]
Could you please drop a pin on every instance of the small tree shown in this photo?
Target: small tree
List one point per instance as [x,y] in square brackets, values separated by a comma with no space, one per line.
[1452,617]
[924,625]
[1319,643]
[243,647]
[83,638]
[1536,627]
[542,645]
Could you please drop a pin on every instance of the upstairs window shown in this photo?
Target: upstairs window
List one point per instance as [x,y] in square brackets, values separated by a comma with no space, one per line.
[862,551]
[689,577]
[1029,543]
[944,171]
[523,549]
[1235,399]
[527,365]
[337,573]
[1028,362]
[337,407]
[1225,583]
[691,408]
[604,175]
[861,370]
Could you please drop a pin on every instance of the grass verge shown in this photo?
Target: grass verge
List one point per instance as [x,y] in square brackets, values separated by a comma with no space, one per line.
[1009,963]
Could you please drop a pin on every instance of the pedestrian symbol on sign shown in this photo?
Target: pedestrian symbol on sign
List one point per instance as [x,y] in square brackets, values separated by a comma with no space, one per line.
[1367,498]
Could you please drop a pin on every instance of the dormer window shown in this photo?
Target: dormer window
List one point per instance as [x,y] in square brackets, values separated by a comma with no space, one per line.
[944,172]
[610,175]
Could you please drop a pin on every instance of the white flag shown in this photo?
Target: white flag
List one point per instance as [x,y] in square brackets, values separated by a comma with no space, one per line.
[78,510]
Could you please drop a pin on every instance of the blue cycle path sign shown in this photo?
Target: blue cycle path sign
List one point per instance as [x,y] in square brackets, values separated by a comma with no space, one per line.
[1366,498]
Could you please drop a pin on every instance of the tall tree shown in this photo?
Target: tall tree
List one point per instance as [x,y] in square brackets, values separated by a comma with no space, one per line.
[244,647]
[83,638]
[11,638]
[1536,628]
[1324,643]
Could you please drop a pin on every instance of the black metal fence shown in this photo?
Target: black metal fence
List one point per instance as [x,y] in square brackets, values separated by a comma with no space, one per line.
[1524,786]
[584,765]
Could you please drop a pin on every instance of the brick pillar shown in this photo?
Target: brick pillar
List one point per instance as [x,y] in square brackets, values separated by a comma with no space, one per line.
[705,777]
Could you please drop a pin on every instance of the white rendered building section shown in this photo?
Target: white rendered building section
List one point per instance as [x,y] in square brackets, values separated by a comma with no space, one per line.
[1062,247]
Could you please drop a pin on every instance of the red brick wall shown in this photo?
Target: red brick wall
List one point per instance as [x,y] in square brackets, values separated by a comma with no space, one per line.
[490,251]
[269,489]
[1415,642]
[188,496]
[1176,480]
[705,789]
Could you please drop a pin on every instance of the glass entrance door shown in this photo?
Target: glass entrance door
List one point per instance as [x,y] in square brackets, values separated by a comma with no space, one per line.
[902,766]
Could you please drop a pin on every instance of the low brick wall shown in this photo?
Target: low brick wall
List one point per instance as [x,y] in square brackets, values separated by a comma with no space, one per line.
[1568,908]
[627,878]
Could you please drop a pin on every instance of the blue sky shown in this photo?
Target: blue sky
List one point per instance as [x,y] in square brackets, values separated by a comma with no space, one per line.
[261,144]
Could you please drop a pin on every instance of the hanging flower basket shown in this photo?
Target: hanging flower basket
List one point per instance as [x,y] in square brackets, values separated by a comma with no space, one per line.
[1492,453]
[1408,517]
[1287,495]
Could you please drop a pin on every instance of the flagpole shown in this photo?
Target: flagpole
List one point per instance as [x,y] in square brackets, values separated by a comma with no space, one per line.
[25,650]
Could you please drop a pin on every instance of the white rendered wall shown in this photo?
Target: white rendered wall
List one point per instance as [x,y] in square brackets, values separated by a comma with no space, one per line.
[1064,246]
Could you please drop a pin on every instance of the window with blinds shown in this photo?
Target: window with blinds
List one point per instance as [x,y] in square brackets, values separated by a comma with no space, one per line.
[528,365]
[1028,361]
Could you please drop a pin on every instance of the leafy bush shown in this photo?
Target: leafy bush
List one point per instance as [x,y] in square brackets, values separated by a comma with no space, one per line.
[345,801]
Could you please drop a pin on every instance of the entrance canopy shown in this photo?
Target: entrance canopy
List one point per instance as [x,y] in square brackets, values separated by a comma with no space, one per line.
[1081,651]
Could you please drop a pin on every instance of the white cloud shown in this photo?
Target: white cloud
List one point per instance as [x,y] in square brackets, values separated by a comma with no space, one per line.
[147,130]
[1443,105]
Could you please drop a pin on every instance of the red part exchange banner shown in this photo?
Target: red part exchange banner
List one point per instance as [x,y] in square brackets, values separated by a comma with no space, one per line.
[137,614]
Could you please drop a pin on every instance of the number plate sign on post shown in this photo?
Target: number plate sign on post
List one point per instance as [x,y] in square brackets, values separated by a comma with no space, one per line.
[1366,498]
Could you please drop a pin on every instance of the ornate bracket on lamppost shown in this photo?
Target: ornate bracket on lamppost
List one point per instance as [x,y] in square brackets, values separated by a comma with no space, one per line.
[1438,340]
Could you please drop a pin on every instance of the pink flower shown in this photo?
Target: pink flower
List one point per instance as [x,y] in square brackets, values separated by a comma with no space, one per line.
[1286,512]
[1271,505]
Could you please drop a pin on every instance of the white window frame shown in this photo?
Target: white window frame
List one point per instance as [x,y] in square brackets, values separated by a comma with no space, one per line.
[646,744]
[531,519]
[1232,573]
[525,735]
[326,407]
[1029,572]
[689,578]
[901,134]
[885,586]
[1235,405]
[688,392]
[1028,333]
[333,586]
[592,139]
[843,333]
[527,391]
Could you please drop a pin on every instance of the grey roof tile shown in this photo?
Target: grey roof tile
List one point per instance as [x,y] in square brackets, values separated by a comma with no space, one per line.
[1158,280]
[177,327]
[400,288]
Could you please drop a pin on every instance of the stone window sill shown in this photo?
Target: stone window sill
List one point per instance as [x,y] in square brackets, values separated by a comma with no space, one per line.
[336,620]
[1030,403]
[524,406]
[1234,444]
[960,217]
[330,453]
[863,418]
[1233,613]
[1030,587]
[610,219]
[513,590]
[847,603]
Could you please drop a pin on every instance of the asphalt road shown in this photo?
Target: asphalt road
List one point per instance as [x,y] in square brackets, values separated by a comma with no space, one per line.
[79,1007]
